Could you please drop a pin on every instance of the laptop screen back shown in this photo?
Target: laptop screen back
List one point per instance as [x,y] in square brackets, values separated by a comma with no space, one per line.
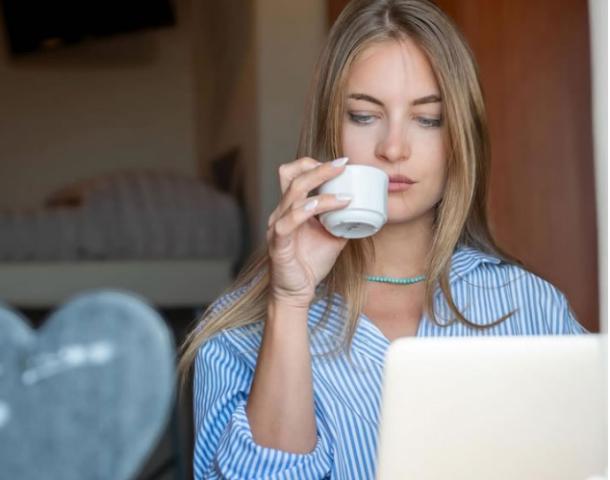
[494,407]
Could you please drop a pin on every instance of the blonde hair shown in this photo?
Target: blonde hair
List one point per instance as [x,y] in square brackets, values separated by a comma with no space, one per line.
[461,214]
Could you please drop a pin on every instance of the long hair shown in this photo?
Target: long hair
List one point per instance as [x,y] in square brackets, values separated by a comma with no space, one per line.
[460,215]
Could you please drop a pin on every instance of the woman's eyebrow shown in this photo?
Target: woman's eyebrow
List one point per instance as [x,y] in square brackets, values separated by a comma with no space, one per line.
[418,101]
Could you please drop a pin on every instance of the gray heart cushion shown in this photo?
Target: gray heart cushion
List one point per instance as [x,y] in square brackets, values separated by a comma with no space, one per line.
[88,394]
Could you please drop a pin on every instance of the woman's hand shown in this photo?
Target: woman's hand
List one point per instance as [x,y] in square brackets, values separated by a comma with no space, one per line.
[302,251]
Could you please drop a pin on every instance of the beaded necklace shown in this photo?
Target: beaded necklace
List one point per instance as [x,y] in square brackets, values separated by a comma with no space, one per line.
[395,281]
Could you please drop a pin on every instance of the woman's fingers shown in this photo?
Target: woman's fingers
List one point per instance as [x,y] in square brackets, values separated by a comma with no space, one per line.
[306,181]
[280,232]
[289,171]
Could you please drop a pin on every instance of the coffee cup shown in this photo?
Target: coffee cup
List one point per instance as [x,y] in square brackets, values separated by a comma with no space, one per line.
[368,210]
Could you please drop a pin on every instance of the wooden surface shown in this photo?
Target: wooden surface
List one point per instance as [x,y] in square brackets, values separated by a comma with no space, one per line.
[164,283]
[535,70]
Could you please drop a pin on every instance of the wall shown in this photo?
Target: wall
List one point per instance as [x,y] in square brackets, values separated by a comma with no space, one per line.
[598,18]
[254,60]
[225,60]
[120,102]
[289,37]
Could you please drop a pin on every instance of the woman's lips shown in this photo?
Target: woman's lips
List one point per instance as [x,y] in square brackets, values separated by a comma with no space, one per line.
[399,183]
[398,186]
[400,179]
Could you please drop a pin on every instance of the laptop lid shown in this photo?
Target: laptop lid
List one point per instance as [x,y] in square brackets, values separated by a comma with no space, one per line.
[506,408]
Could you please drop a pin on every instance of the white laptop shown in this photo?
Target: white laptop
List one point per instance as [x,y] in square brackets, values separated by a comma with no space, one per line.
[495,408]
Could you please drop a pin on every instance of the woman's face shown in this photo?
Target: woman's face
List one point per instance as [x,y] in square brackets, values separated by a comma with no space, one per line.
[393,121]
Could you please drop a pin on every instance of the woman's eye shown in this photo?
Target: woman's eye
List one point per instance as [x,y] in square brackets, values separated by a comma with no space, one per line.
[361,119]
[429,122]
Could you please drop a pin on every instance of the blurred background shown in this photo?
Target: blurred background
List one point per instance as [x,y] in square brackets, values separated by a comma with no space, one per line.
[140,140]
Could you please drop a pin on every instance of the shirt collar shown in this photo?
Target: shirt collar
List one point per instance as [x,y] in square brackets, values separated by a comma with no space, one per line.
[466,259]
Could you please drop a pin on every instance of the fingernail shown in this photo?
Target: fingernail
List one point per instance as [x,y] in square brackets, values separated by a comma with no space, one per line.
[311,205]
[339,162]
[343,197]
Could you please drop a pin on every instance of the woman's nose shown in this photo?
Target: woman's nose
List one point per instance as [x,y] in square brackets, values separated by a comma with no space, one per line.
[394,146]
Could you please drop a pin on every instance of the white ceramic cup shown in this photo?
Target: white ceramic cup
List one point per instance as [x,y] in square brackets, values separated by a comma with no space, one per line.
[368,210]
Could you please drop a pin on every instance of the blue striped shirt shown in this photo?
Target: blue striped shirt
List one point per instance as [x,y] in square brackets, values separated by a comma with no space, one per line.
[347,394]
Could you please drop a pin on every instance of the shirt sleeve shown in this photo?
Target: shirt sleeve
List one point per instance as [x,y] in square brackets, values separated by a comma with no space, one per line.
[224,447]
[565,322]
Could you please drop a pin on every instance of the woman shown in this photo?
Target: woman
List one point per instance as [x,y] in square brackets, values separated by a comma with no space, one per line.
[288,363]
